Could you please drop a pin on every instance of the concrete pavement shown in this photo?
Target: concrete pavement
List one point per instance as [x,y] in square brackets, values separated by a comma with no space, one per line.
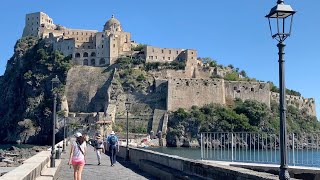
[121,170]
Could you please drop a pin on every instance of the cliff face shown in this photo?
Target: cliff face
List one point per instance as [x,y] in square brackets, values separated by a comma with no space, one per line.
[25,93]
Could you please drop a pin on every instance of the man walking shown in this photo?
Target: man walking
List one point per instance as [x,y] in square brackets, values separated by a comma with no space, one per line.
[112,141]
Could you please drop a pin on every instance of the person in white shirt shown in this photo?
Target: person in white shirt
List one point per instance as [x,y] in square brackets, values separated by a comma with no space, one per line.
[99,147]
[77,155]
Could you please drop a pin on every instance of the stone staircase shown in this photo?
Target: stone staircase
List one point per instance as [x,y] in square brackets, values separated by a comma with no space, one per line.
[157,120]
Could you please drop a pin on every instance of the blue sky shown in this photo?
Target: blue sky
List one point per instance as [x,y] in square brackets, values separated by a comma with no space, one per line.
[232,32]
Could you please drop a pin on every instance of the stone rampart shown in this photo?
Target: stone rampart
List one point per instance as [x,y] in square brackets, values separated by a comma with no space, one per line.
[307,104]
[244,90]
[185,93]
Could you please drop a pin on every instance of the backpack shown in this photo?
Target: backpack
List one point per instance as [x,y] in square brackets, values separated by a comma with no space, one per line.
[113,140]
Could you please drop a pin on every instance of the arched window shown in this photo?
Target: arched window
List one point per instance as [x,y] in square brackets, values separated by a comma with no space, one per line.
[77,55]
[93,62]
[93,54]
[102,61]
[85,62]
[85,54]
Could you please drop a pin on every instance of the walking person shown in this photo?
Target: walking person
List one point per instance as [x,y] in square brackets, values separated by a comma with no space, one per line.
[77,155]
[112,141]
[99,147]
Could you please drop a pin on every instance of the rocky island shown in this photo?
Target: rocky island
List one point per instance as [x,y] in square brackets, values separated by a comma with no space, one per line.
[172,90]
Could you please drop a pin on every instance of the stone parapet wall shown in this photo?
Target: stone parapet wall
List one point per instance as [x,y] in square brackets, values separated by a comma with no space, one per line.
[170,166]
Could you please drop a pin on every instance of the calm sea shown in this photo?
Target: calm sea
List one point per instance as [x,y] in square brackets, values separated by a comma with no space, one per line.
[306,157]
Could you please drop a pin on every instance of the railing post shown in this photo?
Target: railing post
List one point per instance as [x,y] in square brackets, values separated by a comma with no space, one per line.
[232,147]
[293,158]
[201,146]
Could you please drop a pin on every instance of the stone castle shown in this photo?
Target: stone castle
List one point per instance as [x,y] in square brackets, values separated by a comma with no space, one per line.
[92,49]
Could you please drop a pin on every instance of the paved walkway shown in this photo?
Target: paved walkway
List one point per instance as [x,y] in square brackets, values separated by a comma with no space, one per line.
[121,170]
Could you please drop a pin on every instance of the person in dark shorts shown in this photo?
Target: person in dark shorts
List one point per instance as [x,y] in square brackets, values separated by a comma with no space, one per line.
[112,141]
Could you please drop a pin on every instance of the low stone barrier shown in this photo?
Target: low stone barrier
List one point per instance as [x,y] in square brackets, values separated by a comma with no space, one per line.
[31,168]
[175,167]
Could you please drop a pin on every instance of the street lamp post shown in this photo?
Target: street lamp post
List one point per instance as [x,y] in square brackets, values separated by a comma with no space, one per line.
[281,17]
[64,135]
[55,83]
[127,104]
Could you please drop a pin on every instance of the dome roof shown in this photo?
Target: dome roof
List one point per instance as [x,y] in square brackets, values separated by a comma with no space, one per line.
[112,23]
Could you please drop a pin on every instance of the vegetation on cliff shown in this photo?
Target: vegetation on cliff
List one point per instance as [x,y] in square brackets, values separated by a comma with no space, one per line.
[25,94]
[247,116]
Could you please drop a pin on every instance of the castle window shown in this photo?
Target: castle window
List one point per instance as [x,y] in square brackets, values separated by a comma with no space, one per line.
[252,89]
[77,55]
[191,57]
[191,52]
[28,19]
[162,51]
[86,33]
[93,62]
[163,58]
[177,52]
[85,54]
[101,46]
[156,57]
[82,33]
[93,54]
[169,58]
[102,61]
[235,88]
[77,33]
[114,45]
[85,62]
[102,35]
[68,47]
[169,51]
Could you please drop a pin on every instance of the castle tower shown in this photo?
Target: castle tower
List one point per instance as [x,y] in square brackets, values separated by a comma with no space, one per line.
[34,22]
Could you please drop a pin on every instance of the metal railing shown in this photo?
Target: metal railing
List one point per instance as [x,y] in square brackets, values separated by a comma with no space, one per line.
[303,148]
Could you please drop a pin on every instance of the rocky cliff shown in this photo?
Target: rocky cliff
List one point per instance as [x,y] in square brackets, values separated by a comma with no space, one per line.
[25,93]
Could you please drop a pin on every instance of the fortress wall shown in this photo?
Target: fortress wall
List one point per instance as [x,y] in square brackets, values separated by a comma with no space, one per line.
[156,54]
[297,101]
[185,93]
[86,89]
[248,90]
[170,73]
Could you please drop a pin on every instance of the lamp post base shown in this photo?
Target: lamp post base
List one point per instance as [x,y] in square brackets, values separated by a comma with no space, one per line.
[64,146]
[52,161]
[284,173]
[127,154]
